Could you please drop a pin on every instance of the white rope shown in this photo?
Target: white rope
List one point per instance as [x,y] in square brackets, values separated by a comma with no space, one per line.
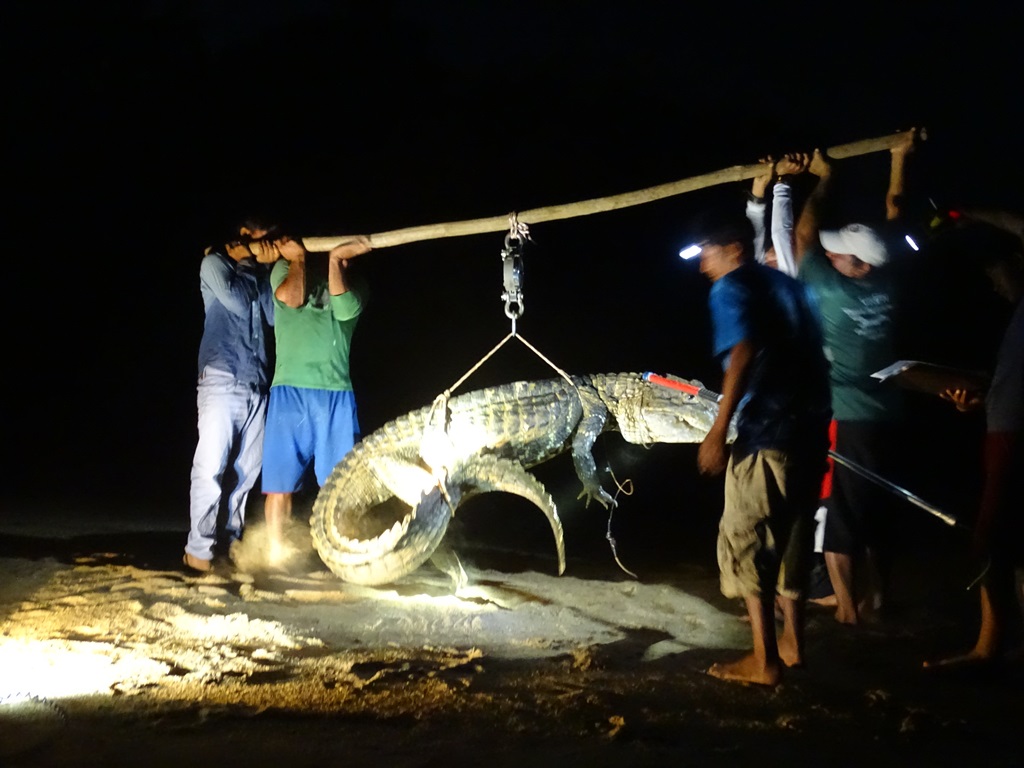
[518,230]
[536,351]
[625,487]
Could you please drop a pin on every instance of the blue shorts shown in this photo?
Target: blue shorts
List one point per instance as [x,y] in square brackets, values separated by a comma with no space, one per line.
[304,427]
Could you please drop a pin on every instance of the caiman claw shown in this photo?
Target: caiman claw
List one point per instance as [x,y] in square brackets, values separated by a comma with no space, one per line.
[599,494]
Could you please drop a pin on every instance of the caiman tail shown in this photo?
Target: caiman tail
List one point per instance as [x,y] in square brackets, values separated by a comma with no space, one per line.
[380,515]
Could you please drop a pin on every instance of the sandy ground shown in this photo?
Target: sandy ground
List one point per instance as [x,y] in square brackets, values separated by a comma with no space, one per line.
[112,654]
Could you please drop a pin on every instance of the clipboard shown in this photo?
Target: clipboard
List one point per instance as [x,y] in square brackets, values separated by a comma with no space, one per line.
[932,378]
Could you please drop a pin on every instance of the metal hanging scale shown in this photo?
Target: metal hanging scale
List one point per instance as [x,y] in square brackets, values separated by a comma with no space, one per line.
[512,269]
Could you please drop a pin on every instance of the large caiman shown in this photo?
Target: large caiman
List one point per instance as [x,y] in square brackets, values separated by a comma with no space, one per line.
[386,506]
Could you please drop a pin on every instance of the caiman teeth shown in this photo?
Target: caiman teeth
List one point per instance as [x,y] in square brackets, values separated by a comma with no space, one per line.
[403,479]
[351,559]
[378,545]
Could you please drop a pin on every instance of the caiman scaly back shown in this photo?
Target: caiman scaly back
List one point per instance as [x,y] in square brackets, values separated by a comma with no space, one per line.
[386,506]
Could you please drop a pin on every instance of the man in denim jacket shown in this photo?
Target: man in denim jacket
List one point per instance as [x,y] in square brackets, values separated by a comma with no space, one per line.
[234,379]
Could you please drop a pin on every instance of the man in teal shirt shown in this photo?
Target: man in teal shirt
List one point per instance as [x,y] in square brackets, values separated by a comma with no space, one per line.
[311,419]
[850,272]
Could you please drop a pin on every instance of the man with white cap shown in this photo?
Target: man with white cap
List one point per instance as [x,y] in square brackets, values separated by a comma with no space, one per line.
[854,250]
[848,271]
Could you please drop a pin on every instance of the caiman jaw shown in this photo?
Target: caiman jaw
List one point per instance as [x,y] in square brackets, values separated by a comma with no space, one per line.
[412,484]
[655,414]
[360,555]
[433,508]
[360,550]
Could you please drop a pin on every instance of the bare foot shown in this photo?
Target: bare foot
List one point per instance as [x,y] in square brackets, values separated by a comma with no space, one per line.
[280,555]
[847,617]
[197,563]
[829,601]
[973,658]
[789,654]
[747,670]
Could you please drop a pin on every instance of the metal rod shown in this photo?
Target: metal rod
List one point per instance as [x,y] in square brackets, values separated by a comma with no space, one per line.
[714,397]
[891,486]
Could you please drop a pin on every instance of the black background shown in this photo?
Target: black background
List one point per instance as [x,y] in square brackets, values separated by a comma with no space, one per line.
[137,131]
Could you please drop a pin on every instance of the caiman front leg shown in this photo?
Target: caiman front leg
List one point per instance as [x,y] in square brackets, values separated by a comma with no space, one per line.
[592,422]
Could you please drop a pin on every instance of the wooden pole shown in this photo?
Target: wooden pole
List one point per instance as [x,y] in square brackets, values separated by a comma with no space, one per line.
[597,205]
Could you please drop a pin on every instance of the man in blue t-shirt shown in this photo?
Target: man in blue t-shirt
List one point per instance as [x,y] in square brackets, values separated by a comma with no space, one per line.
[767,334]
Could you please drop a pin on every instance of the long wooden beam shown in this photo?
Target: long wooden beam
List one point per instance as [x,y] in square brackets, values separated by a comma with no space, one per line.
[597,205]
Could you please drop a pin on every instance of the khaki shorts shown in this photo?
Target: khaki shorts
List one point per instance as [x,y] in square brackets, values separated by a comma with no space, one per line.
[766,534]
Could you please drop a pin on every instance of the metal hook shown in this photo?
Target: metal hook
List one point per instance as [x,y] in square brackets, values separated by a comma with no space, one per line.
[512,269]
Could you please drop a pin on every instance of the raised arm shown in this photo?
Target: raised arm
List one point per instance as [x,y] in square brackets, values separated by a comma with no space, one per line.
[783,239]
[292,291]
[897,176]
[756,206]
[219,278]
[338,258]
[809,224]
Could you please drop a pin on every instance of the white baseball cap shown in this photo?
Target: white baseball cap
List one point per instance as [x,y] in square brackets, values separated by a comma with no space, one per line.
[858,240]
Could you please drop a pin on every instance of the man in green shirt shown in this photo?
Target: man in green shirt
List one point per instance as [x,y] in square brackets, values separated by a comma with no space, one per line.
[311,419]
[850,273]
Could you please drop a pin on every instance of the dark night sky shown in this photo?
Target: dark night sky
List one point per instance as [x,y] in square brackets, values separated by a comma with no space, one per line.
[137,130]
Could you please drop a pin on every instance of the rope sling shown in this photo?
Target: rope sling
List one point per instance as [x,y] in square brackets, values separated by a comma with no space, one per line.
[435,440]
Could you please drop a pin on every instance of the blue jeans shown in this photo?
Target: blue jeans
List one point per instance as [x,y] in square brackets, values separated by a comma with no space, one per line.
[232,418]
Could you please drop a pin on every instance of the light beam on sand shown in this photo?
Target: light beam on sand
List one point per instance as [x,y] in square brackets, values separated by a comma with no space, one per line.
[466,598]
[60,669]
[119,648]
